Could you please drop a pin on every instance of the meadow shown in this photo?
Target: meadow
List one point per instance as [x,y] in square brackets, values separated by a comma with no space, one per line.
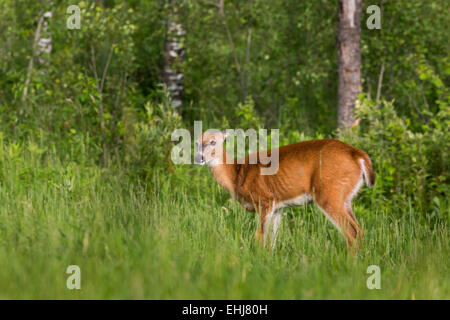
[175,238]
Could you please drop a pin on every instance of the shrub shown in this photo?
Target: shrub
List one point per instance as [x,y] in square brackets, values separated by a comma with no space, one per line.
[411,166]
[147,141]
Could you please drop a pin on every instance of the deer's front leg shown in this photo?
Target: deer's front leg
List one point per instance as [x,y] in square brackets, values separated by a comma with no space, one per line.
[265,210]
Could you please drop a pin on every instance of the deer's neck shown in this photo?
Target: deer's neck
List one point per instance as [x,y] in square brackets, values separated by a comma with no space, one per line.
[225,174]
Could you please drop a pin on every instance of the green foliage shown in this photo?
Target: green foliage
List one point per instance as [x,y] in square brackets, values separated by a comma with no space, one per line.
[83,87]
[411,166]
[276,52]
[408,48]
[244,117]
[274,61]
[148,141]
[248,65]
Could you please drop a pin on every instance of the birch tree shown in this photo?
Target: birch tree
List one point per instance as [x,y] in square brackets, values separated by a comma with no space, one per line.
[41,48]
[174,53]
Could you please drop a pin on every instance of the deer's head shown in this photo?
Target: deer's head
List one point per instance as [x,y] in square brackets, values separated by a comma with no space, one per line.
[209,148]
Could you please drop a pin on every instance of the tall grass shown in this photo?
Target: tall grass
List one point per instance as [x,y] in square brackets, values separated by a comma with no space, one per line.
[184,239]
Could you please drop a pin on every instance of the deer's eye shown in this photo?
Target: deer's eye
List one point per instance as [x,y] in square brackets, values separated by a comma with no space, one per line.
[213,143]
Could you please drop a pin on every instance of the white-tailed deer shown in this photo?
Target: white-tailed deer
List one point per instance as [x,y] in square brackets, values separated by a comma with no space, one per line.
[327,171]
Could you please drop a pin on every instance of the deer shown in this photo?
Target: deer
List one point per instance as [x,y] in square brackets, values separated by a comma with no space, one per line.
[328,172]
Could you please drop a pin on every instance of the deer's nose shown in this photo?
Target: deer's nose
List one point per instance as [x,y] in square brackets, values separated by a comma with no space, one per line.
[198,158]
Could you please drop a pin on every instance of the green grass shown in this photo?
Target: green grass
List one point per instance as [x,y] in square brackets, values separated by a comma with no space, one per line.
[183,239]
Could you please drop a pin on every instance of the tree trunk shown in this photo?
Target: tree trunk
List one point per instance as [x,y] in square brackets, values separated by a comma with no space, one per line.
[44,45]
[349,60]
[41,49]
[174,54]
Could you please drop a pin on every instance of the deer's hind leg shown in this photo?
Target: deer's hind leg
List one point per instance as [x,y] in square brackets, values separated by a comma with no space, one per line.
[335,202]
[342,221]
[349,210]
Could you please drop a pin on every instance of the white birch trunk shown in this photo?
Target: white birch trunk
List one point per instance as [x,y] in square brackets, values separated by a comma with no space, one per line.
[174,54]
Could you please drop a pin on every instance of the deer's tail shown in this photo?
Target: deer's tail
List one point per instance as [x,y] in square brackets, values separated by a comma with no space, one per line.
[367,170]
